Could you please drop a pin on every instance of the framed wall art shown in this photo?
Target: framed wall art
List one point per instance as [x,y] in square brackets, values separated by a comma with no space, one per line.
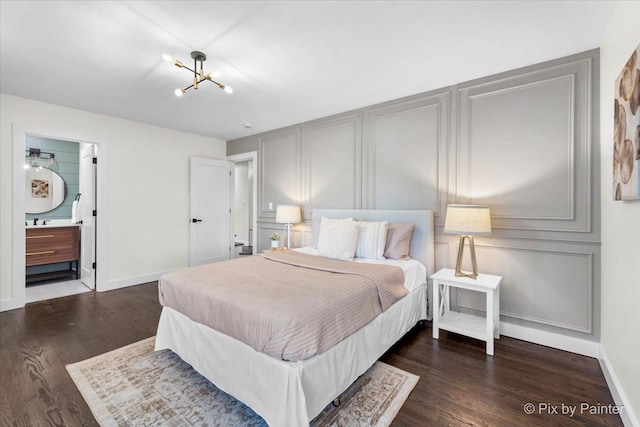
[40,188]
[626,133]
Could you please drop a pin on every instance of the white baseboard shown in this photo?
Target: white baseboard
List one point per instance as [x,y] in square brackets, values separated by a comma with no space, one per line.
[9,304]
[131,281]
[550,339]
[629,418]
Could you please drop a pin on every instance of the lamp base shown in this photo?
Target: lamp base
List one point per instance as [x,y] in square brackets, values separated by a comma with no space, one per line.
[287,229]
[472,249]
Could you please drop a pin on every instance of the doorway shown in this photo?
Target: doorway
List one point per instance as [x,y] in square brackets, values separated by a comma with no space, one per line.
[59,191]
[20,133]
[245,203]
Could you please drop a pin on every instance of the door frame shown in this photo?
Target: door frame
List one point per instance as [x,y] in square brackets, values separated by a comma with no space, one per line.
[19,135]
[245,157]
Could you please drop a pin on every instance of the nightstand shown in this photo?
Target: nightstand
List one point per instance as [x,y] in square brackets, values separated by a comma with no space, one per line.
[485,329]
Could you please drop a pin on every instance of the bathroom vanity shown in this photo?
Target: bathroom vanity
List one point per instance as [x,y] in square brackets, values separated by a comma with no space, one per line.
[53,244]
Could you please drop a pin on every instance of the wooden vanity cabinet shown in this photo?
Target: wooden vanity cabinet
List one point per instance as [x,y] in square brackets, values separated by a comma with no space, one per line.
[48,245]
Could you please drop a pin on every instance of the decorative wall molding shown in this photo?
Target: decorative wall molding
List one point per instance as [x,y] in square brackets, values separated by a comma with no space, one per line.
[278,165]
[588,271]
[438,104]
[569,215]
[432,143]
[573,214]
[339,156]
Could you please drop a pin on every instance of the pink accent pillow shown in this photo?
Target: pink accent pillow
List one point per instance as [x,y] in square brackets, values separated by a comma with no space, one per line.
[398,240]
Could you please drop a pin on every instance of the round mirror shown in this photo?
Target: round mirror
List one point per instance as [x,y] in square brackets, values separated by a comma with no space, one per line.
[45,190]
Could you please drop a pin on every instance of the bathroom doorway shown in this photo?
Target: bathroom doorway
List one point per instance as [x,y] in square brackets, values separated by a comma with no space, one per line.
[244,203]
[59,191]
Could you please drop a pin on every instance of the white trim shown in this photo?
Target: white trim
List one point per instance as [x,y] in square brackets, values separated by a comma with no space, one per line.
[244,157]
[550,339]
[7,304]
[132,281]
[19,133]
[629,418]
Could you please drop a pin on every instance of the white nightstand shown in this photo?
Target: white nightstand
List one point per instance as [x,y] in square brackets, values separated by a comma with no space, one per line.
[461,323]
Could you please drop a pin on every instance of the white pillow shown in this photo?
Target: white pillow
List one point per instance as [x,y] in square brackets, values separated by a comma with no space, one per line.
[338,238]
[372,240]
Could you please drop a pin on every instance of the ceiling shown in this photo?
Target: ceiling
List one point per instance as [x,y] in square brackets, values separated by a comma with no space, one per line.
[288,61]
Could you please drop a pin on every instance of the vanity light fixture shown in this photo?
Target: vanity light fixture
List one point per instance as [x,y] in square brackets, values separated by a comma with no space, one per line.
[199,76]
[35,160]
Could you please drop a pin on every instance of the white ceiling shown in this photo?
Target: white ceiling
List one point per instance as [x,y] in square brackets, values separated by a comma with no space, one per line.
[288,62]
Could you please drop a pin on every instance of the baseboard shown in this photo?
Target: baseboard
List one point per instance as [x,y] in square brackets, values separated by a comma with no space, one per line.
[550,339]
[132,281]
[9,304]
[629,418]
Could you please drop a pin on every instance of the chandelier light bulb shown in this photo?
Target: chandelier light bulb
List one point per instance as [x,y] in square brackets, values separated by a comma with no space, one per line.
[166,57]
[215,74]
[228,89]
[179,92]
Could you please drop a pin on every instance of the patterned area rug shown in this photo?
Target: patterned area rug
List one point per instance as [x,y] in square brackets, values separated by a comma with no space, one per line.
[135,386]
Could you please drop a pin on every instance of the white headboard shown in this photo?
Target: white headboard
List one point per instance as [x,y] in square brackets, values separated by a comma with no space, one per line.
[422,246]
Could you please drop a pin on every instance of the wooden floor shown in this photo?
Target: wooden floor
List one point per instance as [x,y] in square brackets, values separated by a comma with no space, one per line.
[459,384]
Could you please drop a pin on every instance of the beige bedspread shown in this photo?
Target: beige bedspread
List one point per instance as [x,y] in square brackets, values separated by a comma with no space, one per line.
[288,305]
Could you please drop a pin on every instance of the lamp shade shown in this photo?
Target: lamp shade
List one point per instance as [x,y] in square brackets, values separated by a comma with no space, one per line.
[288,214]
[470,220]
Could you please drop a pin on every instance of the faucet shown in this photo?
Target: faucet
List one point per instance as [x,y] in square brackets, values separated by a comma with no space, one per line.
[44,222]
[35,221]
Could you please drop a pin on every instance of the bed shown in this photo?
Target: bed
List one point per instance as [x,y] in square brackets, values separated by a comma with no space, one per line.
[291,393]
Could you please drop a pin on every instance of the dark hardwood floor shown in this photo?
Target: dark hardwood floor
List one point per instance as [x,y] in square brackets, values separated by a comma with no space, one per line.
[459,384]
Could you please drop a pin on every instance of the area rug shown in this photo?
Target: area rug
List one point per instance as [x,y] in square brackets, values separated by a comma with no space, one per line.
[135,386]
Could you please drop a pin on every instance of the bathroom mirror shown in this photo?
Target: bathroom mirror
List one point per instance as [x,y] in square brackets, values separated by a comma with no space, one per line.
[45,190]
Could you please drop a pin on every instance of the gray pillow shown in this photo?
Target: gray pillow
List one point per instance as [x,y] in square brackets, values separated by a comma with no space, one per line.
[398,240]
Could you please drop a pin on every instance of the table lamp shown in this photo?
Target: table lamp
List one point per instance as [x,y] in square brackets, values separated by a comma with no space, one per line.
[468,221]
[288,214]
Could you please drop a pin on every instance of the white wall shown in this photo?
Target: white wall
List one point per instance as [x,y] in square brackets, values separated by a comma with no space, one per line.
[620,333]
[148,184]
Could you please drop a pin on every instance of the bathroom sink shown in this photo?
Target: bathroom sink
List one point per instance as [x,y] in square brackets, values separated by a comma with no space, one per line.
[52,223]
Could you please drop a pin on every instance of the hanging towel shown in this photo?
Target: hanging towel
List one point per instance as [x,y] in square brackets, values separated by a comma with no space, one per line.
[75,211]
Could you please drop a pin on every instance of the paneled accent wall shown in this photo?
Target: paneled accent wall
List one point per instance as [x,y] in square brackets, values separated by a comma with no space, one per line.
[278,171]
[331,159]
[523,145]
[521,142]
[406,154]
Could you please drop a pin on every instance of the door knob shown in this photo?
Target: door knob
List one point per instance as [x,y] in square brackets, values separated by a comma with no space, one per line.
[196,220]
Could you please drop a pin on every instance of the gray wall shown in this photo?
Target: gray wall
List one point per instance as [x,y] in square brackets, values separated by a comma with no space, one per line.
[524,142]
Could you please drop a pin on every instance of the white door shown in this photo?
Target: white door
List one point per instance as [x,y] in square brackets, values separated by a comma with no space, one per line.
[87,205]
[210,208]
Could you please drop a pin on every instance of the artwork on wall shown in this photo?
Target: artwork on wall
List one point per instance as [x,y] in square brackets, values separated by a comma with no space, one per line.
[626,134]
[40,188]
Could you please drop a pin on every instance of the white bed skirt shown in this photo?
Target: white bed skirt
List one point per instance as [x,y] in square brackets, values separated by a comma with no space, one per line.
[287,393]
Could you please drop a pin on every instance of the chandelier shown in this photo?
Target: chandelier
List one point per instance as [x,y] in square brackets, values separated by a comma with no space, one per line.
[198,75]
